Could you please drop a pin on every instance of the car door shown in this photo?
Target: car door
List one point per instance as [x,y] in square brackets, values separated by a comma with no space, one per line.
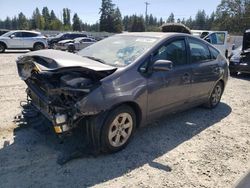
[15,40]
[171,89]
[205,68]
[218,40]
[85,43]
[28,39]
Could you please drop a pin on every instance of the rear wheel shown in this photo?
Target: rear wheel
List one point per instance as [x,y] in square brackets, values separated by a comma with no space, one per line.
[71,48]
[215,96]
[118,129]
[233,73]
[38,46]
[2,48]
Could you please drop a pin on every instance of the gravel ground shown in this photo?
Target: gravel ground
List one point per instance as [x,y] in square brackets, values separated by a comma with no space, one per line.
[196,148]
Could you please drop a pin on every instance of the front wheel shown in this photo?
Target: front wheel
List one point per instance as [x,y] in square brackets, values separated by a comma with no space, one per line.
[118,129]
[215,96]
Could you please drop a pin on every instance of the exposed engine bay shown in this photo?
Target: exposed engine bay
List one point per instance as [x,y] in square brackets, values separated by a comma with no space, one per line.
[55,90]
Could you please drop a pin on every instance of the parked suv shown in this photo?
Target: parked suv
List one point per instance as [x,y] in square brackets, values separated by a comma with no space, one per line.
[22,40]
[64,36]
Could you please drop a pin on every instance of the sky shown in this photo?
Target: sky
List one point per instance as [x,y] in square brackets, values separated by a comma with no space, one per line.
[88,10]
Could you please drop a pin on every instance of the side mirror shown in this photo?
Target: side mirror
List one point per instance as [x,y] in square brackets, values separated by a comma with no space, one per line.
[208,40]
[163,65]
[12,36]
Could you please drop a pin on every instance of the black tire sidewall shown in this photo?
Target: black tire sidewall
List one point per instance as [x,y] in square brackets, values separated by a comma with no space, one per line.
[106,146]
[71,48]
[211,105]
[3,48]
[38,44]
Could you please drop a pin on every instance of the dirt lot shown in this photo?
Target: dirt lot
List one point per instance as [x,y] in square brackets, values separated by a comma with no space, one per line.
[196,148]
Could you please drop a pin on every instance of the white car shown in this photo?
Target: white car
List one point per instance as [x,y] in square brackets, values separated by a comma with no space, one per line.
[217,38]
[22,39]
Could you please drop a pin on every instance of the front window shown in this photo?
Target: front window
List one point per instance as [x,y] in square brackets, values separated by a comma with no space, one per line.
[174,52]
[119,50]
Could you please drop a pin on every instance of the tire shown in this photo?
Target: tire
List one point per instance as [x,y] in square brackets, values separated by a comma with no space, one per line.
[38,46]
[2,47]
[215,96]
[233,73]
[118,129]
[71,48]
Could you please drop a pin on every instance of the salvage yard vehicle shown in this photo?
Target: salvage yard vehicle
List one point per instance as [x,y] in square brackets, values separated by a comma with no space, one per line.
[64,36]
[217,38]
[240,61]
[122,83]
[22,39]
[74,45]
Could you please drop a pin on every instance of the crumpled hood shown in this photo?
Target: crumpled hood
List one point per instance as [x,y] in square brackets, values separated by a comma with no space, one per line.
[57,59]
[54,61]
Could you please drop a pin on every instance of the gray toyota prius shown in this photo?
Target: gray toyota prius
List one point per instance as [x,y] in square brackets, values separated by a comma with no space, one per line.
[123,82]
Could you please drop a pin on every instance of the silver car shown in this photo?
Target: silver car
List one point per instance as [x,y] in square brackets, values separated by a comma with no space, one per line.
[75,44]
[22,39]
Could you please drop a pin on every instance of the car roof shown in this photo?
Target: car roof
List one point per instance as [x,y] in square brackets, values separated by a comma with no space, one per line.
[36,32]
[159,35]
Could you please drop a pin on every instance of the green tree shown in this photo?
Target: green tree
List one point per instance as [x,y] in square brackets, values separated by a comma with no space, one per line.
[66,19]
[118,27]
[37,20]
[76,23]
[200,20]
[138,24]
[46,16]
[171,18]
[22,21]
[107,16]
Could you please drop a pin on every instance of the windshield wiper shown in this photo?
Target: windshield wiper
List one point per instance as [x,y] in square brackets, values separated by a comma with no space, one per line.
[96,59]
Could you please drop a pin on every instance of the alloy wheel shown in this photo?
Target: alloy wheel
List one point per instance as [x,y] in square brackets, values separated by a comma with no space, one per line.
[120,129]
[216,95]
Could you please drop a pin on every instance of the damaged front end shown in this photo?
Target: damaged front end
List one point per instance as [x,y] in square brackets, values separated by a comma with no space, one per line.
[56,91]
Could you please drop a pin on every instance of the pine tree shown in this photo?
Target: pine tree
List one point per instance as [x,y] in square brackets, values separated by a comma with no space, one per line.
[171,18]
[46,16]
[118,27]
[107,16]
[76,23]
[22,21]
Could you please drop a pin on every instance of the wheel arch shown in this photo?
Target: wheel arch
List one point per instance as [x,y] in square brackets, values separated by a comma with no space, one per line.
[38,42]
[5,45]
[135,107]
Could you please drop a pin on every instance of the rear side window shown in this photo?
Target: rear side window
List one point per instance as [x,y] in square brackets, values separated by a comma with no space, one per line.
[198,51]
[214,52]
[26,34]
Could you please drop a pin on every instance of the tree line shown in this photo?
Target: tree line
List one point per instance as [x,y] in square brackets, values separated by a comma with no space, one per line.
[230,15]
